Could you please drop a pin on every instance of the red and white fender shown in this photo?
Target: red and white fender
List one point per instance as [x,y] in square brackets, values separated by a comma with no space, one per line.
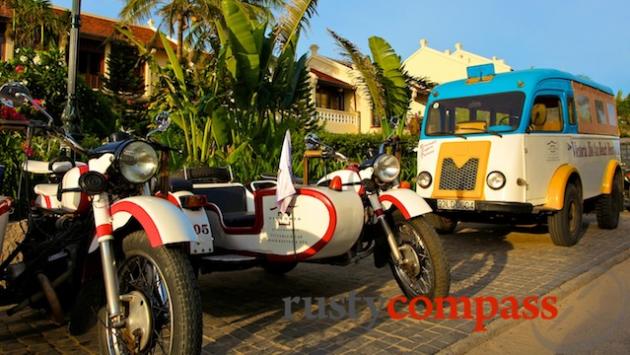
[5,209]
[163,222]
[406,201]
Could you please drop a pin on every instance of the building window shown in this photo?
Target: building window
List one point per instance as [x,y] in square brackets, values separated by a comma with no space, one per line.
[91,61]
[3,30]
[330,97]
[376,122]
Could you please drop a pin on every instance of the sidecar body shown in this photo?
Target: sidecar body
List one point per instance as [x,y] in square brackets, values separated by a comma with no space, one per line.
[5,207]
[320,222]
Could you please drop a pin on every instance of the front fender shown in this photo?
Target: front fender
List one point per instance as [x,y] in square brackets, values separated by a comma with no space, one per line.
[163,222]
[406,201]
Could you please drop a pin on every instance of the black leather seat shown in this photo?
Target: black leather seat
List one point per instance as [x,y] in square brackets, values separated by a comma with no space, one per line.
[272,177]
[232,202]
[178,184]
[239,219]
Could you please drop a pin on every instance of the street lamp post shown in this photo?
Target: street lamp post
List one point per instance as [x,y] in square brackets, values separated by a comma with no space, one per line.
[70,116]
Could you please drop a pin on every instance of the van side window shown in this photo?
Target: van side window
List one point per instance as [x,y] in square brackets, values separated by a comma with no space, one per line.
[599,111]
[612,114]
[546,115]
[571,108]
[584,108]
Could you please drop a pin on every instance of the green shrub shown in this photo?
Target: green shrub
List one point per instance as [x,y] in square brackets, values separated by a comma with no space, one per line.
[45,74]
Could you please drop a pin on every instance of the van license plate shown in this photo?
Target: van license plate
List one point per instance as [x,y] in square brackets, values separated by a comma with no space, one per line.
[456,205]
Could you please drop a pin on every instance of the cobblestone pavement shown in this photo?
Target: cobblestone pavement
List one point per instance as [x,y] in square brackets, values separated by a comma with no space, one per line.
[244,311]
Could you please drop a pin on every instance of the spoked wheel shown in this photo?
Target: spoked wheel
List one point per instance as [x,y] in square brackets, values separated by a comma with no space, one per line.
[161,303]
[425,271]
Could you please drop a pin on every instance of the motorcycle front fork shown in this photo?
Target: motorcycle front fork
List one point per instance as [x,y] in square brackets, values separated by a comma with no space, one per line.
[391,238]
[104,232]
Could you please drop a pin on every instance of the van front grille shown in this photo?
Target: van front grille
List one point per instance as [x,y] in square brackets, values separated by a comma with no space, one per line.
[461,179]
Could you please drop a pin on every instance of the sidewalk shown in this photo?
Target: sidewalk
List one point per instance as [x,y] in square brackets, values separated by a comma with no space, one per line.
[594,319]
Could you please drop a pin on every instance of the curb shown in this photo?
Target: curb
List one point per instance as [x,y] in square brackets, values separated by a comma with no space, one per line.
[499,326]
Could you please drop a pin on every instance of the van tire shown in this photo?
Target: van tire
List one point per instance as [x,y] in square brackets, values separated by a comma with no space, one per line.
[565,225]
[610,205]
[442,225]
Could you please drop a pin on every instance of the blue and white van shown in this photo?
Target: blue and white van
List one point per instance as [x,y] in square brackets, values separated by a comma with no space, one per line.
[521,146]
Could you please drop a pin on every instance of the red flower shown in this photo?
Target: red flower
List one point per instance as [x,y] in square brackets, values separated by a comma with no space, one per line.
[28,150]
[10,114]
[39,102]
[19,69]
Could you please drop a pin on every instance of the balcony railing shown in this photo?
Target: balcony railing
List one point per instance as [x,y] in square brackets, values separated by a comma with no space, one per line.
[339,121]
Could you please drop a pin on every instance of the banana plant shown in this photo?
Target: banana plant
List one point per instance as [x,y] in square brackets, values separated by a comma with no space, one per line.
[384,79]
[235,108]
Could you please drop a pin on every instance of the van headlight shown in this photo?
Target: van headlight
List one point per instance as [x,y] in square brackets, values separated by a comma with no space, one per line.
[386,168]
[424,179]
[138,162]
[495,180]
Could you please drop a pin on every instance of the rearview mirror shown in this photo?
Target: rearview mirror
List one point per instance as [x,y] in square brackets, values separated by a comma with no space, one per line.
[312,141]
[163,120]
[394,122]
[15,93]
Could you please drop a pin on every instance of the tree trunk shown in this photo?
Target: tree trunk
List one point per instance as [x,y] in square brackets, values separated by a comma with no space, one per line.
[180,36]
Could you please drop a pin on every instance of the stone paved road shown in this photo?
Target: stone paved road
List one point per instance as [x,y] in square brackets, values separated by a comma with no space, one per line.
[243,311]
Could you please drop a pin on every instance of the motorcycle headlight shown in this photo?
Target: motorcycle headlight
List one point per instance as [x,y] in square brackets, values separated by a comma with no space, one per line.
[386,168]
[424,179]
[138,162]
[496,180]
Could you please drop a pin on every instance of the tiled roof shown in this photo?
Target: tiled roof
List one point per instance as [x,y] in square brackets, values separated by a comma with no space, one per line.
[332,80]
[100,27]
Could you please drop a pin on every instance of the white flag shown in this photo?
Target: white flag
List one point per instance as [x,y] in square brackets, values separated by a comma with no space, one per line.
[285,189]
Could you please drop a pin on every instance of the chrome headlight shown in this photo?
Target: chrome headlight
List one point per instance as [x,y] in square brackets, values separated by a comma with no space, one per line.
[386,168]
[424,179]
[138,162]
[495,180]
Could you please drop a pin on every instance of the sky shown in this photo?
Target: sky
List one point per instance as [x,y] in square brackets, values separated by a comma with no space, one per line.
[585,37]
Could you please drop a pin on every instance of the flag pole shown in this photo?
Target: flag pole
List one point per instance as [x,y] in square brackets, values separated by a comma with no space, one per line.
[70,116]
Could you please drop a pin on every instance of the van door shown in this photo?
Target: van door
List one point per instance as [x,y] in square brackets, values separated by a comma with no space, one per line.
[546,144]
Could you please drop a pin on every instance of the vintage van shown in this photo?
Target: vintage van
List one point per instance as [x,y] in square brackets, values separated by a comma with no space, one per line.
[519,147]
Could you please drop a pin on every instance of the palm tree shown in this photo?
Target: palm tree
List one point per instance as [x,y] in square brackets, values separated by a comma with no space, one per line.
[193,21]
[383,78]
[176,14]
[34,23]
[236,109]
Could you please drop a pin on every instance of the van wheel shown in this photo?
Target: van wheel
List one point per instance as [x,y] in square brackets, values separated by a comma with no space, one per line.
[442,225]
[565,225]
[609,205]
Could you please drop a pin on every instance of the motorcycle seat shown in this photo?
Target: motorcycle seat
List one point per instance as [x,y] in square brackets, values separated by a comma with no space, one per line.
[47,196]
[274,177]
[239,219]
[178,184]
[41,167]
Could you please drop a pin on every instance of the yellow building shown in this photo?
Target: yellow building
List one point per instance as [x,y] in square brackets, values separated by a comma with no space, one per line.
[342,107]
[443,66]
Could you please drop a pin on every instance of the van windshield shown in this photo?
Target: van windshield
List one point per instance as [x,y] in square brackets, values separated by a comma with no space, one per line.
[493,113]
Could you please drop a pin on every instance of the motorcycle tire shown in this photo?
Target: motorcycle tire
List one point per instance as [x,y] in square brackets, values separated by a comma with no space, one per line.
[429,251]
[178,285]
